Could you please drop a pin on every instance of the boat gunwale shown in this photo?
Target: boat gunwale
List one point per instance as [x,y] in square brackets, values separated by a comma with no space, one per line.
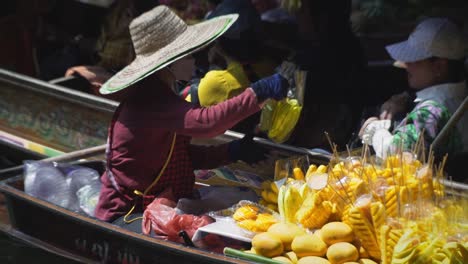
[158,244]
[57,91]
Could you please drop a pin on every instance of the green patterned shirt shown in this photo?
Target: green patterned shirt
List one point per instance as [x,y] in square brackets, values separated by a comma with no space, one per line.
[435,106]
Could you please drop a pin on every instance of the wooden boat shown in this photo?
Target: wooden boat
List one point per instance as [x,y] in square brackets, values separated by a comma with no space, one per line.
[81,238]
[50,119]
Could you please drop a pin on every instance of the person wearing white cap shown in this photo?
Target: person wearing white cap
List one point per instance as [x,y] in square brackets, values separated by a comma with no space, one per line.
[433,57]
[149,150]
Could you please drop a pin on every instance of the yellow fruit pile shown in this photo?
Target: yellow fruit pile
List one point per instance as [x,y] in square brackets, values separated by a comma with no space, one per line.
[398,213]
[250,218]
[334,243]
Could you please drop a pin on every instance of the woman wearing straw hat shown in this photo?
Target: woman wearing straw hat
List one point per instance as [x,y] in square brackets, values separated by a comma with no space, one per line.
[433,57]
[149,146]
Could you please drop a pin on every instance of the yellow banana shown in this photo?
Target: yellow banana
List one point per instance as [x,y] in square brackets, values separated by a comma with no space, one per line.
[298,174]
[292,203]
[274,187]
[312,168]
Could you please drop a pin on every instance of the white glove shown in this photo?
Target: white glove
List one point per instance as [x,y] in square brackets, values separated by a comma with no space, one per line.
[372,127]
[381,141]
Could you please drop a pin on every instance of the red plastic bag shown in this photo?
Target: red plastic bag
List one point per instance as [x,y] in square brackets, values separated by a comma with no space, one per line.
[161,220]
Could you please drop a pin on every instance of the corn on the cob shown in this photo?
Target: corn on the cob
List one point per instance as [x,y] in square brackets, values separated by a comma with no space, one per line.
[314,212]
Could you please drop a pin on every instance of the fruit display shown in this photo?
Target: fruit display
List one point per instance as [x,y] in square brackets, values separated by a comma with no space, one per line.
[355,210]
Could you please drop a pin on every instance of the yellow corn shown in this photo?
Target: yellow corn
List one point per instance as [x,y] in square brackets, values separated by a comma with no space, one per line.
[314,213]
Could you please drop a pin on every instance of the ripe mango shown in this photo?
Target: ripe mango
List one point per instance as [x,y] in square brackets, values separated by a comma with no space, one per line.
[342,252]
[267,245]
[286,232]
[309,245]
[335,232]
[313,260]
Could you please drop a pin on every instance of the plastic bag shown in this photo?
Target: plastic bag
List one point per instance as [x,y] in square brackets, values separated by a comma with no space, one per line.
[294,167]
[160,219]
[45,181]
[71,186]
[279,118]
[79,178]
[88,197]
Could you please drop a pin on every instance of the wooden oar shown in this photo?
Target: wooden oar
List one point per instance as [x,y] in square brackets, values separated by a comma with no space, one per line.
[79,154]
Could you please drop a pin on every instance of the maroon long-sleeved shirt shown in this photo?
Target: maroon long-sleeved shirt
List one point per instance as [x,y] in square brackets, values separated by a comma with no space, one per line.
[140,136]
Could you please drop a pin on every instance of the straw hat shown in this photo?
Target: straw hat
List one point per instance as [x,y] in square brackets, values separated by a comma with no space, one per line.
[159,38]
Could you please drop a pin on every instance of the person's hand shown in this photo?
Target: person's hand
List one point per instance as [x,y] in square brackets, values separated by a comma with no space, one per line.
[247,150]
[370,127]
[95,75]
[395,106]
[274,86]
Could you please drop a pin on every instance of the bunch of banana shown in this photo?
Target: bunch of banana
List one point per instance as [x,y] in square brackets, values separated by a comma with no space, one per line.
[289,201]
[313,169]
[266,117]
[284,119]
[269,195]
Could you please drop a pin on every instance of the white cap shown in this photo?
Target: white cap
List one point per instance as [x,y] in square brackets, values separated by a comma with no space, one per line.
[434,37]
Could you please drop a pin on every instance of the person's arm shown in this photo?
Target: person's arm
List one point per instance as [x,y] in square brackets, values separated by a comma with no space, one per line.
[170,112]
[396,106]
[427,116]
[215,120]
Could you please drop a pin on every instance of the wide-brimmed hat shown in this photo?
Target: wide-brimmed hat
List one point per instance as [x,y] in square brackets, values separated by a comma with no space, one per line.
[159,38]
[434,37]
